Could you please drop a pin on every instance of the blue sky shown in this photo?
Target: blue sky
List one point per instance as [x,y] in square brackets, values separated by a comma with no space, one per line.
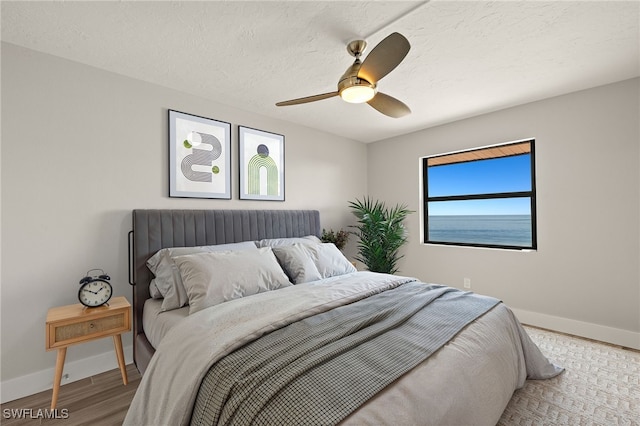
[506,174]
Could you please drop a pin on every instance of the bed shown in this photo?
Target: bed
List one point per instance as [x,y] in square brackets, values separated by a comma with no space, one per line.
[236,358]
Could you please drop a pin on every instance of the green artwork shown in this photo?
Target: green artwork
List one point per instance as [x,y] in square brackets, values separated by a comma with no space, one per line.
[262,159]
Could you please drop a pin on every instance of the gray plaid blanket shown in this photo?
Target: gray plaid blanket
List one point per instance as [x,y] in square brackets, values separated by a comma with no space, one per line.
[319,370]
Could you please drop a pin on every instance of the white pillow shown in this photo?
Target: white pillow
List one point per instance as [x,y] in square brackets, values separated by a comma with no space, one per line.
[153,290]
[297,262]
[329,260]
[214,278]
[167,277]
[277,242]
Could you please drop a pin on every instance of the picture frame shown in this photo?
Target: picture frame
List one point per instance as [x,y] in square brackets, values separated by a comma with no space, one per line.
[261,164]
[199,156]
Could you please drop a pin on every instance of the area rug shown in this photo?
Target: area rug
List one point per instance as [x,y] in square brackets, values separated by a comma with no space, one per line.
[600,385]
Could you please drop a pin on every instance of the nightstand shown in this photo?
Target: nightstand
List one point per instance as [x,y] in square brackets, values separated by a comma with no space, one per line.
[73,324]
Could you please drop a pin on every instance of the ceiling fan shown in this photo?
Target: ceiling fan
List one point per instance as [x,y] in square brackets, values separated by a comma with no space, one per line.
[359,83]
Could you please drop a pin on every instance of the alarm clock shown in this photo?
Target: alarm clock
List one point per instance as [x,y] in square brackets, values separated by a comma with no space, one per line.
[95,290]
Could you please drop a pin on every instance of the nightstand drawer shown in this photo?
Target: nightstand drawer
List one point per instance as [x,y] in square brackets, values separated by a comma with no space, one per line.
[89,329]
[68,325]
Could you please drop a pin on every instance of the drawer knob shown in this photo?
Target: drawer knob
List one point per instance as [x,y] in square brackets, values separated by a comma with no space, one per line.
[91,325]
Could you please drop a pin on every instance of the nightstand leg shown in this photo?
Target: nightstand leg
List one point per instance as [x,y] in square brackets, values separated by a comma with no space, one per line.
[62,353]
[117,342]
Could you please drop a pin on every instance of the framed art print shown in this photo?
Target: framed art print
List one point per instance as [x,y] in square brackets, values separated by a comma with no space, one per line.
[261,157]
[199,156]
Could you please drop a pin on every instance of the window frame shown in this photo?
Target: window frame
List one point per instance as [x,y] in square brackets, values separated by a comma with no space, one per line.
[485,196]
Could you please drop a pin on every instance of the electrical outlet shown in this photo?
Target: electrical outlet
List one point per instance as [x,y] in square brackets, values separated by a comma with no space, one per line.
[467,283]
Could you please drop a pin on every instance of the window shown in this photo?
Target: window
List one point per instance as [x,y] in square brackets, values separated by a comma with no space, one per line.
[483,197]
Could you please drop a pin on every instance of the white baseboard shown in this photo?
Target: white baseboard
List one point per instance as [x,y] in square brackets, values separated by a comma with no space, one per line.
[616,336]
[39,381]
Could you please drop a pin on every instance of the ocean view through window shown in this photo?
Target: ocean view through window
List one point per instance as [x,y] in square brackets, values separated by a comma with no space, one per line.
[483,197]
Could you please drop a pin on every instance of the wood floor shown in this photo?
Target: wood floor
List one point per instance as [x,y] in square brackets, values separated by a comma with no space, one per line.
[97,400]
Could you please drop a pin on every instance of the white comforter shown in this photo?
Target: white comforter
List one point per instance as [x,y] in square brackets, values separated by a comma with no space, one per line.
[469,381]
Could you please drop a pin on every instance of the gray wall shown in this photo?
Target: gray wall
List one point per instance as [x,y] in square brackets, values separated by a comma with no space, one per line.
[584,277]
[81,148]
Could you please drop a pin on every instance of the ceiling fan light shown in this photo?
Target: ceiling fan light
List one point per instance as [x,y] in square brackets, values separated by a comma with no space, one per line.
[358,94]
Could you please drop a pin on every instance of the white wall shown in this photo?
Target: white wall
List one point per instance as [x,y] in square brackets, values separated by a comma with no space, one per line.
[81,148]
[584,278]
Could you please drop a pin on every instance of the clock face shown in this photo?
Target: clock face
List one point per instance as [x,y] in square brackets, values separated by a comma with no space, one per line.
[95,293]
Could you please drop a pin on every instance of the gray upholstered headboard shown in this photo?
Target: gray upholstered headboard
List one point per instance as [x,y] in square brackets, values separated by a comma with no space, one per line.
[157,229]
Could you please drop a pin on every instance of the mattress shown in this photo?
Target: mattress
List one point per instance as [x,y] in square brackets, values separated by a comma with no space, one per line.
[157,323]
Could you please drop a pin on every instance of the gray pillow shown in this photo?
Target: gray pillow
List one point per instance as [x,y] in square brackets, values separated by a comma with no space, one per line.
[167,276]
[153,290]
[214,278]
[297,263]
[329,260]
[277,242]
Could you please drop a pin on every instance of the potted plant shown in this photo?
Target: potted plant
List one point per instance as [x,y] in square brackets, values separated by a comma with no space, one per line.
[339,238]
[381,233]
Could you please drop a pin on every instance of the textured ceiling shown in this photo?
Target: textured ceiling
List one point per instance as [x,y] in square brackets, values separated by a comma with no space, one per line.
[467,58]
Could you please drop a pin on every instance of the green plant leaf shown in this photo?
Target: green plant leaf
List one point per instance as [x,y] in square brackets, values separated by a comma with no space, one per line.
[381,233]
[339,238]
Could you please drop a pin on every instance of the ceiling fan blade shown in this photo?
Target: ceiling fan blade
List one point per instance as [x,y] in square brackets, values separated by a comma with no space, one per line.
[384,58]
[389,105]
[308,99]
